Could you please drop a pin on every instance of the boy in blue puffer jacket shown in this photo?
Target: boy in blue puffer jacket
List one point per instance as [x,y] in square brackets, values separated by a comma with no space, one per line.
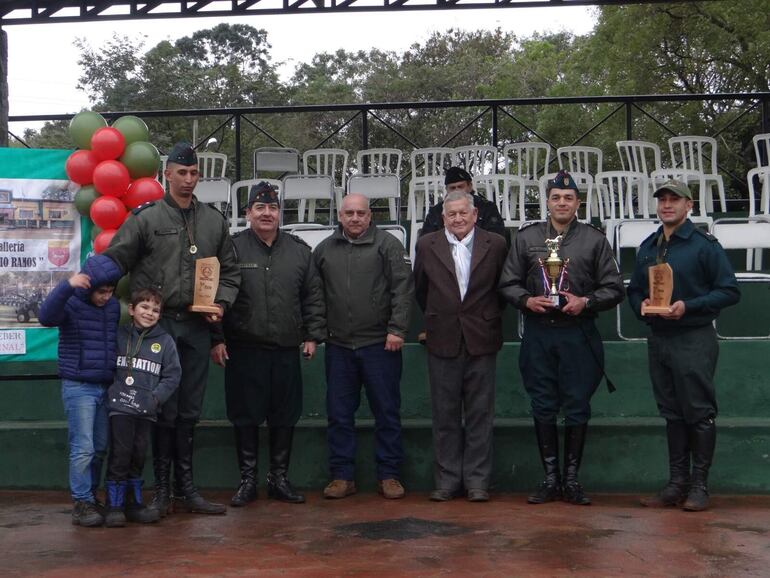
[87,315]
[148,373]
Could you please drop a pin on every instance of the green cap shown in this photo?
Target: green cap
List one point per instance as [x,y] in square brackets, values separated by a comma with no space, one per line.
[676,187]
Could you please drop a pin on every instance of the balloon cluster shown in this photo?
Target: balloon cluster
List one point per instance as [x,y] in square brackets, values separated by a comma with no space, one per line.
[117,169]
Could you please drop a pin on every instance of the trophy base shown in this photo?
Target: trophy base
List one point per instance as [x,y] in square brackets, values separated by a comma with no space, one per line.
[655,310]
[204,308]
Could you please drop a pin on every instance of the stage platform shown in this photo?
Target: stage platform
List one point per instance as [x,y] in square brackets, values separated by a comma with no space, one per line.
[365,535]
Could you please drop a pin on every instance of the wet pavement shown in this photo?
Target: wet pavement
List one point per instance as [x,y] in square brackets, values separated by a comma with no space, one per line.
[365,535]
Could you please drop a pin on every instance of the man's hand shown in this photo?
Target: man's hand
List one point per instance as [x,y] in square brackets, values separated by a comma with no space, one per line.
[539,304]
[308,349]
[675,311]
[575,305]
[393,342]
[80,281]
[214,317]
[219,354]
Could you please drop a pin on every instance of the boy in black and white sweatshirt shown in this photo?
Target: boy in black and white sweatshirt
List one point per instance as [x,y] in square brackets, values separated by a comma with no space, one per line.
[148,373]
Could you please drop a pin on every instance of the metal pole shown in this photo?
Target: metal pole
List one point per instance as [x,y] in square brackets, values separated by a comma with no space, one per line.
[237,147]
[629,122]
[494,125]
[3,88]
[365,137]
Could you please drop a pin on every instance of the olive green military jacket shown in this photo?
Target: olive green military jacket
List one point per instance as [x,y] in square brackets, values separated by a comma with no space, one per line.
[153,245]
[368,287]
[280,302]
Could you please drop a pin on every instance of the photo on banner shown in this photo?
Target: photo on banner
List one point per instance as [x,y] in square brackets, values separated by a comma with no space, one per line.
[42,241]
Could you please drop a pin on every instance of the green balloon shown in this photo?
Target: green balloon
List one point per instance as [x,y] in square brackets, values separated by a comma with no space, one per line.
[82,127]
[124,316]
[142,159]
[83,199]
[132,128]
[95,232]
[122,289]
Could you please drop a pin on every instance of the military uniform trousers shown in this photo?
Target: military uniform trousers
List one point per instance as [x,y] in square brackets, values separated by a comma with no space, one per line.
[263,384]
[561,368]
[190,332]
[462,391]
[682,366]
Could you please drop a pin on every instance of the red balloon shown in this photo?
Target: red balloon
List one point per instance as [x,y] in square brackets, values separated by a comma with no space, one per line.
[143,191]
[108,213]
[80,167]
[111,178]
[102,240]
[108,143]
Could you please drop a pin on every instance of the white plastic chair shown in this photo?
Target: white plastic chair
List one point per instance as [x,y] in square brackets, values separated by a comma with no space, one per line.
[311,233]
[762,153]
[618,187]
[212,165]
[331,162]
[637,156]
[239,197]
[583,162]
[478,160]
[423,194]
[528,160]
[308,189]
[509,192]
[279,160]
[698,154]
[382,161]
[379,186]
[761,174]
[428,167]
[753,235]
[629,234]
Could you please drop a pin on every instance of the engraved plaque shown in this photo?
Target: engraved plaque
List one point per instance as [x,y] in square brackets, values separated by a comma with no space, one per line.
[661,279]
[206,283]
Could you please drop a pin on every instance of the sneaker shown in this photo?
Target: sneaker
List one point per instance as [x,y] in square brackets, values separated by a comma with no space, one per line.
[478,495]
[339,489]
[392,489]
[85,514]
[441,495]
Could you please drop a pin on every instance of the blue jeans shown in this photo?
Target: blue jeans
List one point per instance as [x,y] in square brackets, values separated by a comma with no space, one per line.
[380,373]
[88,434]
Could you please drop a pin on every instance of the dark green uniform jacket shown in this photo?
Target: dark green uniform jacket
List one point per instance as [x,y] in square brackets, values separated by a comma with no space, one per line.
[368,287]
[591,271]
[703,277]
[154,246]
[280,302]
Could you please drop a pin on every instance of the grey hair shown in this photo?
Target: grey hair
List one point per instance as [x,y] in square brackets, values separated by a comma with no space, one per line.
[458,196]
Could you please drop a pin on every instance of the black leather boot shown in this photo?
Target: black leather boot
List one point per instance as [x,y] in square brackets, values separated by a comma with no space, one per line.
[246,446]
[675,491]
[188,499]
[574,442]
[548,443]
[703,438]
[278,485]
[163,442]
[136,511]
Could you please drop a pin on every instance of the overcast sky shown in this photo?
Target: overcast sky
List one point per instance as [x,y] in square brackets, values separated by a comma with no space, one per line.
[43,70]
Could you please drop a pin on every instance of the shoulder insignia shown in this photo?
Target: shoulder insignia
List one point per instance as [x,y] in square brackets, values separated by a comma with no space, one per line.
[706,234]
[141,208]
[527,225]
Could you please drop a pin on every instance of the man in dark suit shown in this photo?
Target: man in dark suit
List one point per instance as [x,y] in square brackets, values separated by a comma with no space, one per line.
[456,274]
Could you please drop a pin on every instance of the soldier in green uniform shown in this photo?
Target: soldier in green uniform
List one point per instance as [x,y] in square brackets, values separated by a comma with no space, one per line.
[279,309]
[561,357]
[682,347]
[158,245]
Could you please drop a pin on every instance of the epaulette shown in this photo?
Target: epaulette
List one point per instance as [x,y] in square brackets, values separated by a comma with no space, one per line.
[300,240]
[528,224]
[239,233]
[597,228]
[706,234]
[141,208]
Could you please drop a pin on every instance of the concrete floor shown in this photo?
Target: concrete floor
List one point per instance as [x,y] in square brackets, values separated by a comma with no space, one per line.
[365,535]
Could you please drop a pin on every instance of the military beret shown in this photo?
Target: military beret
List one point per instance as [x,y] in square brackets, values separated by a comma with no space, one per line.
[183,154]
[562,180]
[676,187]
[456,175]
[263,192]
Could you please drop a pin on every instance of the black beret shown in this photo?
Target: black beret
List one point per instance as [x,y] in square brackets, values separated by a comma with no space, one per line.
[263,192]
[456,175]
[183,154]
[562,180]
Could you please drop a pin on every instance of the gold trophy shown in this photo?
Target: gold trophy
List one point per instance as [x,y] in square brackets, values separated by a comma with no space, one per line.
[553,268]
[206,283]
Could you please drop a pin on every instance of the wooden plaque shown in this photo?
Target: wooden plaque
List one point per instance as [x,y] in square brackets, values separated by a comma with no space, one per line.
[206,283]
[661,279]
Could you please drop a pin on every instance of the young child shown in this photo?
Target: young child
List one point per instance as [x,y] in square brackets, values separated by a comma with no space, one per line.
[148,373]
[87,315]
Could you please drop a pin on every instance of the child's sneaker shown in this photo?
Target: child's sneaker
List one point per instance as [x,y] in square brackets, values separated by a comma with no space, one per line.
[85,514]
